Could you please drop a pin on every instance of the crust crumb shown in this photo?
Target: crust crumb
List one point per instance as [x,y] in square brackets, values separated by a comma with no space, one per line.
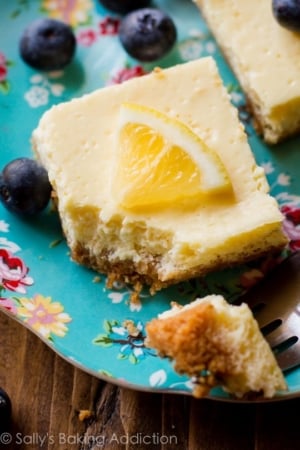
[131,328]
[85,414]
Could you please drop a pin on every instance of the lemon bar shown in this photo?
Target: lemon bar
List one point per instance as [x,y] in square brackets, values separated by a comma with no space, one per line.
[265,58]
[76,141]
[227,347]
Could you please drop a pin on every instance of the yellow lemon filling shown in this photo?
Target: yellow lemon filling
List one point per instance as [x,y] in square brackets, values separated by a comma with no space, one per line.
[160,161]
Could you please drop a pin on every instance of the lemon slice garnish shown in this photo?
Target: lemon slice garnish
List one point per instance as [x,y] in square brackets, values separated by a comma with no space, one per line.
[162,162]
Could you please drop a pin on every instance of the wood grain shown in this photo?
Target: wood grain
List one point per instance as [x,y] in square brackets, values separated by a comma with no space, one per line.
[48,395]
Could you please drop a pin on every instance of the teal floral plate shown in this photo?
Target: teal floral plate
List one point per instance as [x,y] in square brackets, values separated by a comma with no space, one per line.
[66,305]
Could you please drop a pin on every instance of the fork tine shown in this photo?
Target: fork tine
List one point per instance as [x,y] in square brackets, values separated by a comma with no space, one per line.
[275,303]
[289,358]
[277,336]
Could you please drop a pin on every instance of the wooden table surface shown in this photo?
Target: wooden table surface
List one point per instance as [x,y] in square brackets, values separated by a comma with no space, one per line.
[57,406]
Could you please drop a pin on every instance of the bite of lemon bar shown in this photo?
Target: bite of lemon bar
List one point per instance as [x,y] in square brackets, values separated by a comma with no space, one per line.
[265,57]
[219,345]
[155,180]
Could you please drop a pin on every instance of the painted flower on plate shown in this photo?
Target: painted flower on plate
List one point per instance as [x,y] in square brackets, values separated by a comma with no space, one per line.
[291,225]
[43,87]
[109,26]
[4,64]
[37,96]
[191,49]
[9,304]
[3,68]
[129,336]
[87,37]
[4,226]
[74,12]
[13,272]
[127,73]
[44,316]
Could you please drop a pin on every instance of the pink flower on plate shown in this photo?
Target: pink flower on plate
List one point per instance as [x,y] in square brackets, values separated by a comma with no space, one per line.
[292,214]
[2,59]
[109,26]
[3,67]
[291,226]
[87,37]
[13,272]
[3,73]
[9,304]
[127,73]
[106,27]
[44,316]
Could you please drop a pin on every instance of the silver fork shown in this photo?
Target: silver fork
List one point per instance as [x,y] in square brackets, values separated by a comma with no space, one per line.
[275,303]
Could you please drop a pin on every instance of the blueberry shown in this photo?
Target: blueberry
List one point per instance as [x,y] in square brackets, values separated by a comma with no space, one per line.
[124,6]
[287,13]
[47,44]
[147,34]
[24,187]
[5,411]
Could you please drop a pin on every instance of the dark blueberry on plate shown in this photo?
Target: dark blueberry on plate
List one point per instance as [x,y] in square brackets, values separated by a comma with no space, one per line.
[147,34]
[24,187]
[47,44]
[287,13]
[5,410]
[124,6]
